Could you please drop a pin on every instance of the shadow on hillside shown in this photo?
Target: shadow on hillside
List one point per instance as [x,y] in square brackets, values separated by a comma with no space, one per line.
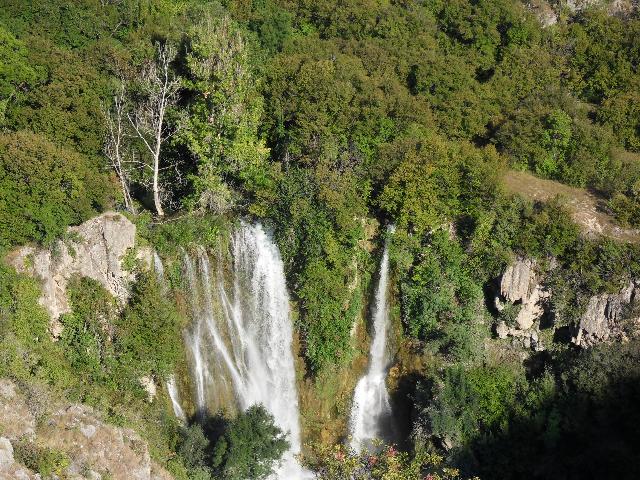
[576,437]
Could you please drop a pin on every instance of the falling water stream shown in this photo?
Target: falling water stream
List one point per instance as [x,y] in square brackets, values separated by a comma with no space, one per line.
[172,388]
[241,337]
[371,407]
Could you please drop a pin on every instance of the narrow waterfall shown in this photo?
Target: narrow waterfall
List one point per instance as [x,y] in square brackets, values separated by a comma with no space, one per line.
[158,267]
[371,406]
[172,388]
[242,334]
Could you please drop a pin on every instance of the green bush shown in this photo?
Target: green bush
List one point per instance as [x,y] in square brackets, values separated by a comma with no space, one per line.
[44,188]
[147,335]
[86,337]
[46,461]
[250,446]
[440,300]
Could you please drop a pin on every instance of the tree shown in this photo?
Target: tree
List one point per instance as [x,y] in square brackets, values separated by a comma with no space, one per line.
[45,188]
[114,144]
[220,127]
[16,73]
[250,446]
[159,88]
[146,334]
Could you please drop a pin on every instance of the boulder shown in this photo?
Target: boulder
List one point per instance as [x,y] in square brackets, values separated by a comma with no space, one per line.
[602,318]
[519,286]
[94,249]
[532,309]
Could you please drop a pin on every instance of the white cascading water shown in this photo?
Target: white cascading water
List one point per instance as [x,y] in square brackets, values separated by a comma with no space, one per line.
[158,267]
[172,388]
[371,404]
[243,337]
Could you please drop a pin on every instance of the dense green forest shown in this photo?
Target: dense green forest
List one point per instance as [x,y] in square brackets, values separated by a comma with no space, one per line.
[324,120]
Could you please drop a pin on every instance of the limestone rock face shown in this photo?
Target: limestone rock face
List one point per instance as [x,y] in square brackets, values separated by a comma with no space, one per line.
[519,286]
[95,250]
[79,432]
[601,320]
[16,419]
[6,453]
[518,280]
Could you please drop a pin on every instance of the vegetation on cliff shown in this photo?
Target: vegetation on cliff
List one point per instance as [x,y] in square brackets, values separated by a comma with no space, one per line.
[316,117]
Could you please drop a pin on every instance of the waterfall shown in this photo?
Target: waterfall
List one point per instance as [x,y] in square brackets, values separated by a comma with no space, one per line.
[371,406]
[242,334]
[172,388]
[158,267]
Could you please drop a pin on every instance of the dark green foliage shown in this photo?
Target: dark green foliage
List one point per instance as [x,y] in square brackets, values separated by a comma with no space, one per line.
[147,335]
[16,74]
[440,300]
[468,402]
[319,117]
[245,447]
[44,189]
[250,446]
[86,338]
[578,422]
[193,448]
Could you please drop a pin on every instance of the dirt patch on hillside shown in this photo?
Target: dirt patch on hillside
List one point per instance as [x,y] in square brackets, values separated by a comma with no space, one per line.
[586,208]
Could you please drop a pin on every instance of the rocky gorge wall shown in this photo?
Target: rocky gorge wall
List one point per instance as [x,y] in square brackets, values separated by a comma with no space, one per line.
[523,289]
[95,249]
[85,446]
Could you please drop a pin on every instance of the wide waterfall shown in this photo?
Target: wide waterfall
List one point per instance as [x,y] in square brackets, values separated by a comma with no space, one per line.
[240,341]
[371,407]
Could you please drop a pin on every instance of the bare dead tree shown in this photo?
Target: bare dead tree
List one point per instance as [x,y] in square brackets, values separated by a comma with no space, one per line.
[160,89]
[115,147]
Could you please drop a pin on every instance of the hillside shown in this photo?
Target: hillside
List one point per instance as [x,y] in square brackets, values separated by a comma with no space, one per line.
[587,209]
[284,240]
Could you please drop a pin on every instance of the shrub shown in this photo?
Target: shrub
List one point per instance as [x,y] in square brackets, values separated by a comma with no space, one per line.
[44,188]
[250,446]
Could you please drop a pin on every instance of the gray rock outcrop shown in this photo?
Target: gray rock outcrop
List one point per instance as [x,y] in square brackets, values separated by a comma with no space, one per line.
[602,318]
[95,249]
[519,287]
[518,280]
[77,431]
[6,453]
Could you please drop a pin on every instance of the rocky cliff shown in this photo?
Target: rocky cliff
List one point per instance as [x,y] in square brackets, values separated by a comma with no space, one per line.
[604,316]
[522,286]
[79,444]
[95,249]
